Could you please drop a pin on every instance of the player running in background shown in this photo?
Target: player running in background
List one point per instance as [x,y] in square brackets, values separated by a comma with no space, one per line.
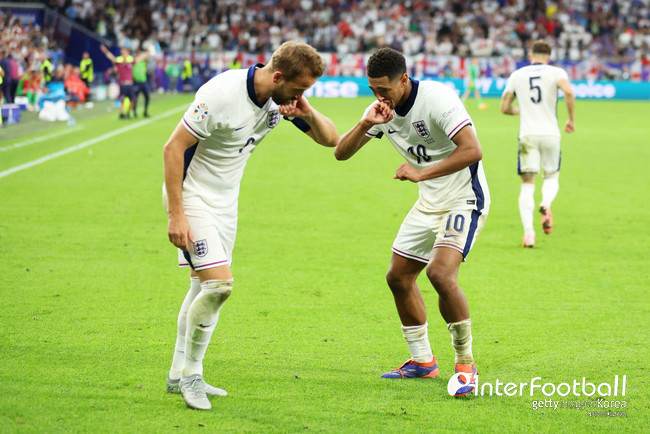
[229,117]
[536,88]
[473,74]
[428,125]
[124,65]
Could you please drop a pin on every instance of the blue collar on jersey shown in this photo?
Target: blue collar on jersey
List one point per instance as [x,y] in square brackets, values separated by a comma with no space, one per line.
[250,84]
[403,111]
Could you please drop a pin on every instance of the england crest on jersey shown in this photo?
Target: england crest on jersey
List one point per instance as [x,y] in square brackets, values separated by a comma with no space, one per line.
[201,248]
[421,129]
[273,119]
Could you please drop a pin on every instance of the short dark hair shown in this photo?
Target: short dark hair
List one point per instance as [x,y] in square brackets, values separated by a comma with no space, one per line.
[386,62]
[541,47]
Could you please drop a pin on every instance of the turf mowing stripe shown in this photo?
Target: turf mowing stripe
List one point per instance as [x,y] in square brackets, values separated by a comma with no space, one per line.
[39,139]
[90,142]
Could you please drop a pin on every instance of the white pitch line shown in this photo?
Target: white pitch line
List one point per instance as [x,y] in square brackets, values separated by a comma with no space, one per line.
[40,139]
[89,142]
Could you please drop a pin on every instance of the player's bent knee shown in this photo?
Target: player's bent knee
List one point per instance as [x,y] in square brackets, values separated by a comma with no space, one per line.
[217,291]
[441,280]
[396,281]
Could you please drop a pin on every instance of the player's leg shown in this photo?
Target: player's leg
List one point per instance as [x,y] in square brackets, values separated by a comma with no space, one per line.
[527,166]
[130,92]
[454,240]
[136,96]
[479,99]
[401,279]
[411,252]
[551,158]
[442,272]
[178,361]
[147,96]
[527,207]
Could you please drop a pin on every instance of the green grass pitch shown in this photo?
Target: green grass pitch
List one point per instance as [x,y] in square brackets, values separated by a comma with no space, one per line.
[89,288]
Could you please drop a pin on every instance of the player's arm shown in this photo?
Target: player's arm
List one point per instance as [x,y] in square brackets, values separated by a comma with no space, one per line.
[468,151]
[570,101]
[178,230]
[142,56]
[354,139]
[506,104]
[107,53]
[321,129]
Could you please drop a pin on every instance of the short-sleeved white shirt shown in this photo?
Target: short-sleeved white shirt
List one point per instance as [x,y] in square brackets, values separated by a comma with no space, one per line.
[229,122]
[536,89]
[422,132]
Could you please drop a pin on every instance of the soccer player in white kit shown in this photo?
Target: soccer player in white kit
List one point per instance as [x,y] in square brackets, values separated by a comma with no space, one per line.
[428,125]
[536,88]
[204,160]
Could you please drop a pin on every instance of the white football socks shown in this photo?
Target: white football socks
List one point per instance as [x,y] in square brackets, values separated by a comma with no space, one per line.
[202,318]
[550,187]
[179,349]
[461,340]
[527,207]
[417,339]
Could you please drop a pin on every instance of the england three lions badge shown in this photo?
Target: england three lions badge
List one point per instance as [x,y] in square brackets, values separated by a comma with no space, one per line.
[273,119]
[201,248]
[421,129]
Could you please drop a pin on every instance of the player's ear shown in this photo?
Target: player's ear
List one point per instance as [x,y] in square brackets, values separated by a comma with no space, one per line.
[277,75]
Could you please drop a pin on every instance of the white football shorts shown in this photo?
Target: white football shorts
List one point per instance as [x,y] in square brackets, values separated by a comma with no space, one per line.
[214,235]
[421,232]
[533,149]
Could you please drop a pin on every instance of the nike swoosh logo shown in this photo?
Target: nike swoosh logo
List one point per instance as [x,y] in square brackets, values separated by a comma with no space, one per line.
[447,236]
[391,131]
[237,129]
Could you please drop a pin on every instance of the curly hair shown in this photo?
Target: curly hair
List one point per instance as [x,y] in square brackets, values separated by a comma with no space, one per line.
[386,62]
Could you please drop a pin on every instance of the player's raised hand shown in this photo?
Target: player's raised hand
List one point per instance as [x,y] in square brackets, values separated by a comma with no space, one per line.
[406,172]
[179,232]
[297,108]
[378,113]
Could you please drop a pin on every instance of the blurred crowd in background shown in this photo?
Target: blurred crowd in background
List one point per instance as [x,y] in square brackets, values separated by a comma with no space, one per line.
[216,35]
[616,30]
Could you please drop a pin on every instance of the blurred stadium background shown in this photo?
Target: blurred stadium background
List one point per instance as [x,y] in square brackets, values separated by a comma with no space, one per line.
[604,45]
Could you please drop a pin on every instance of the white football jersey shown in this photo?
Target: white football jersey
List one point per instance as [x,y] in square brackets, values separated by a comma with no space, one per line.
[229,122]
[421,131]
[535,87]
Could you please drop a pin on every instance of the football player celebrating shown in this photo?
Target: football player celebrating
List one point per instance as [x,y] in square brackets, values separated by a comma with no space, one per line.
[429,126]
[204,161]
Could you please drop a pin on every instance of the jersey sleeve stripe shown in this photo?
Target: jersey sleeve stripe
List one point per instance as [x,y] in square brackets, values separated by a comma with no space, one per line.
[192,131]
[379,135]
[458,127]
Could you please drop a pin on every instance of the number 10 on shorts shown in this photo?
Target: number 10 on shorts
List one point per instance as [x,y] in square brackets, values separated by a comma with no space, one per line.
[458,222]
